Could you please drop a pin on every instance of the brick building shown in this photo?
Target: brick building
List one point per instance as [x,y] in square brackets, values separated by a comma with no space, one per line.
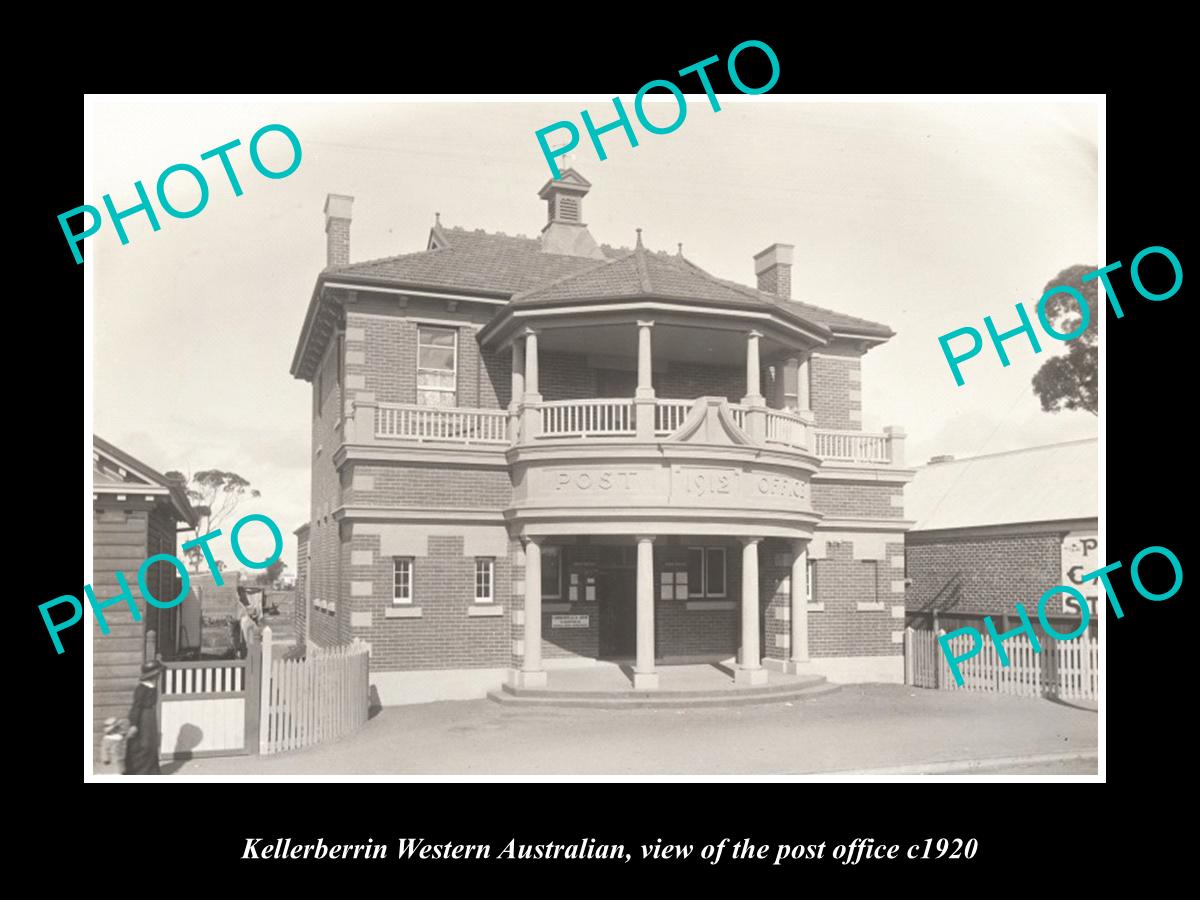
[991,530]
[533,453]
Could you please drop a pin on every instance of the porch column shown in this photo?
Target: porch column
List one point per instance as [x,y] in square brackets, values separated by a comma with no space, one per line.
[532,674]
[531,416]
[644,402]
[756,417]
[518,389]
[750,670]
[644,676]
[799,609]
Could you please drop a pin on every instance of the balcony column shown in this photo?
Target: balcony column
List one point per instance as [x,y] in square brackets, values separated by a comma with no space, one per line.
[804,400]
[531,673]
[643,401]
[896,436]
[644,676]
[750,670]
[756,416]
[518,389]
[531,415]
[798,613]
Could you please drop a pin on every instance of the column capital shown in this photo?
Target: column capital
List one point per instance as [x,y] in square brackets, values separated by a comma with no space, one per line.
[747,541]
[528,331]
[799,545]
[645,323]
[645,537]
[527,539]
[754,333]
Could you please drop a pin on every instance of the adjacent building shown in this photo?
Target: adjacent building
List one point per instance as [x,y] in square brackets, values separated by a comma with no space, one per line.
[994,529]
[532,453]
[136,513]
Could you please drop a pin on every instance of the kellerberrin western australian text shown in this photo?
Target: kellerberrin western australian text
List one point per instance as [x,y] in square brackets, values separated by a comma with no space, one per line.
[418,848]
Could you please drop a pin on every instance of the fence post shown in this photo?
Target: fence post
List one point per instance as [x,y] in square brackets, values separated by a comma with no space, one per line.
[1085,663]
[938,656]
[253,677]
[264,729]
[908,655]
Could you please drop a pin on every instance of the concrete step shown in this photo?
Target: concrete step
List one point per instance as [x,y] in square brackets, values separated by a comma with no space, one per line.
[532,697]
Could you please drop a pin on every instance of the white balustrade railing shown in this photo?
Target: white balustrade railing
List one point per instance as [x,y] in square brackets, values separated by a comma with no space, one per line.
[785,427]
[409,422]
[739,415]
[588,418]
[853,446]
[669,415]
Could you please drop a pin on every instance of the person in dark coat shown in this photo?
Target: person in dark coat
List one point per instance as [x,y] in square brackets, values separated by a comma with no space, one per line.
[141,750]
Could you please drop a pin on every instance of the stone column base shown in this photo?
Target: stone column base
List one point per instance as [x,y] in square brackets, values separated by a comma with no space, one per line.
[522,679]
[645,681]
[749,676]
[793,667]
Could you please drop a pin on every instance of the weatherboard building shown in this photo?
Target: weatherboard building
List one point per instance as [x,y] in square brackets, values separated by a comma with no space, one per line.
[537,453]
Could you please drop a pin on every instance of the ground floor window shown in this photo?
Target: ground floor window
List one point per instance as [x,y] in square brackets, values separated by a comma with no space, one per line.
[484,578]
[402,570]
[705,575]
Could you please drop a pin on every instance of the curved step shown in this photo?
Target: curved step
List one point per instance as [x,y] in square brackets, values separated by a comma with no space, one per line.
[796,683]
[661,699]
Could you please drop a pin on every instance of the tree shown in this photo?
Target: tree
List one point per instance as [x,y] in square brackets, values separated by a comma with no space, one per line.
[215,495]
[1070,381]
[271,573]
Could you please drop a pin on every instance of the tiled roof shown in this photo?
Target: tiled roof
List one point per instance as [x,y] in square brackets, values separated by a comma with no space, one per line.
[517,266]
[1034,484]
[472,261]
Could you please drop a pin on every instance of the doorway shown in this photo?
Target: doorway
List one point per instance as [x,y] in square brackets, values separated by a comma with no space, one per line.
[618,613]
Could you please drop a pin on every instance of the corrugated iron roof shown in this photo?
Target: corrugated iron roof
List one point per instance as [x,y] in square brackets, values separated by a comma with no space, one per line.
[1034,484]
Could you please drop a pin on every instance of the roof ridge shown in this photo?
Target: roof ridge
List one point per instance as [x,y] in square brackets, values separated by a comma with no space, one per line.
[639,262]
[1013,452]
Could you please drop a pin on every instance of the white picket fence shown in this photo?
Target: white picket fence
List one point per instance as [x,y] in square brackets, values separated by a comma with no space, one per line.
[1068,670]
[319,698]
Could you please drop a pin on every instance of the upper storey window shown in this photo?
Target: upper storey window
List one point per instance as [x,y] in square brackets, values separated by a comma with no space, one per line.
[437,365]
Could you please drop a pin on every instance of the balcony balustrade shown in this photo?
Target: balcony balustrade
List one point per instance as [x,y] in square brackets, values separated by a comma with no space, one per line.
[613,418]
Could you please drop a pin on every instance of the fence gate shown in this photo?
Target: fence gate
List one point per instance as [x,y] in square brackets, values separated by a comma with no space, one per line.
[210,707]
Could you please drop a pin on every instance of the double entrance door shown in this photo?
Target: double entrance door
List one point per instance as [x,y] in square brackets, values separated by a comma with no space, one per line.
[617,596]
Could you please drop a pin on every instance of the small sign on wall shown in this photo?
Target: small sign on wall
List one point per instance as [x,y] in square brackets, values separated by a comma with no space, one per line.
[1079,557]
[570,621]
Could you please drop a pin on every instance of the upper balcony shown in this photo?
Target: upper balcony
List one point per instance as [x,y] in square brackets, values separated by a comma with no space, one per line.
[689,359]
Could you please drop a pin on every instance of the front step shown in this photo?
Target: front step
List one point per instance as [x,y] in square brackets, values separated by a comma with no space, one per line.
[810,686]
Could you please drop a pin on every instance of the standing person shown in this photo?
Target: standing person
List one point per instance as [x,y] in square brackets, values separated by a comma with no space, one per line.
[250,621]
[141,750]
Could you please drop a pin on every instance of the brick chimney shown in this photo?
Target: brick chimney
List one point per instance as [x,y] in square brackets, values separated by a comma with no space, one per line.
[774,270]
[337,229]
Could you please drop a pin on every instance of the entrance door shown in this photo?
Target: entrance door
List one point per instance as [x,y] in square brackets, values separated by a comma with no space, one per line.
[618,613]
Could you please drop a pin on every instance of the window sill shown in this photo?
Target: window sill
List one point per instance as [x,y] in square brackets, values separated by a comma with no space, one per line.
[403,612]
[483,610]
[712,604]
[815,607]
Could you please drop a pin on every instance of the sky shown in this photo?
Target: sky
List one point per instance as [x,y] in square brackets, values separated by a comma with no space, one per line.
[924,216]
